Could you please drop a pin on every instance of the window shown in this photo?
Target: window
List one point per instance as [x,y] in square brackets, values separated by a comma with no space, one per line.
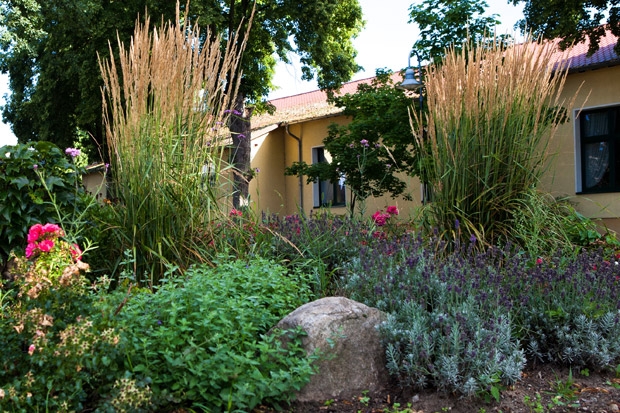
[327,193]
[599,150]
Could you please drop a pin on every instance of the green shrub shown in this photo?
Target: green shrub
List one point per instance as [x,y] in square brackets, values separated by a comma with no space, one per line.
[543,225]
[29,175]
[202,340]
[56,352]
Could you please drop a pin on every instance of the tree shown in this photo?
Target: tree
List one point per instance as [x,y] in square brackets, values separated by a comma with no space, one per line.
[446,23]
[572,21]
[49,49]
[373,148]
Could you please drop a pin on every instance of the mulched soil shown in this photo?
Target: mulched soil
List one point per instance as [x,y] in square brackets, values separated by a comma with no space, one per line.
[547,387]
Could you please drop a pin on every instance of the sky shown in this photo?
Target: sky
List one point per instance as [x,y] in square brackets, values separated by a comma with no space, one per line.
[385,42]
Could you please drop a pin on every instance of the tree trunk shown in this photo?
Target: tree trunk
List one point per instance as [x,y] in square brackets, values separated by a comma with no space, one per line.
[240,130]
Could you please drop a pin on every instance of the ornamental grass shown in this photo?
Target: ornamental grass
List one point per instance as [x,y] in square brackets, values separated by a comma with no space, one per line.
[165,100]
[492,112]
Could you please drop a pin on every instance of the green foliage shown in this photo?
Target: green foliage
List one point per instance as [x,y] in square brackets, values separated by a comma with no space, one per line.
[50,49]
[37,182]
[572,22]
[317,245]
[445,23]
[56,353]
[542,224]
[373,149]
[203,340]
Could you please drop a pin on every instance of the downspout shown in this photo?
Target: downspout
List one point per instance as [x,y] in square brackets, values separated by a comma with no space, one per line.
[299,150]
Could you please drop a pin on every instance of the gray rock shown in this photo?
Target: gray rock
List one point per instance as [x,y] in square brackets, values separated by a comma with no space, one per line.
[344,332]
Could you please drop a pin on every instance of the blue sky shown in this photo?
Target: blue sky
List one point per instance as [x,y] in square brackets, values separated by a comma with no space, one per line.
[385,42]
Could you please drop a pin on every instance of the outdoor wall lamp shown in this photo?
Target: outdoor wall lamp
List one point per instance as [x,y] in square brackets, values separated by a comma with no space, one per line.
[410,83]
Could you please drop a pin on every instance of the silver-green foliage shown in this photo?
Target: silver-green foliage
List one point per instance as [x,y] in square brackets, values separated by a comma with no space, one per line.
[579,340]
[454,349]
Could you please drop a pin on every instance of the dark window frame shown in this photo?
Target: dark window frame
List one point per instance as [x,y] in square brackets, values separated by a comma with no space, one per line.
[339,197]
[609,139]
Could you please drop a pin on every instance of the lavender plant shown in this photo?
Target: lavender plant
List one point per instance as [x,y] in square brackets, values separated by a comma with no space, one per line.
[450,311]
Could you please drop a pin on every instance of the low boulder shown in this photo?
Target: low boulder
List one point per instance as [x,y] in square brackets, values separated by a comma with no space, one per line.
[344,331]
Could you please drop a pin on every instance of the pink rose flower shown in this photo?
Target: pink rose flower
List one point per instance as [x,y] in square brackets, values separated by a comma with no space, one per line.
[392,210]
[35,232]
[31,349]
[380,218]
[30,249]
[52,229]
[76,252]
[46,245]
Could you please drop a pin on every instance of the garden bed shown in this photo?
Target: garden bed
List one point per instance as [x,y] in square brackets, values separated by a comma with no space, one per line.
[543,388]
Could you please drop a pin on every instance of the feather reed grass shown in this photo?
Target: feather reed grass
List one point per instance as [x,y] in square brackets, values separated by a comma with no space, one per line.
[492,112]
[165,102]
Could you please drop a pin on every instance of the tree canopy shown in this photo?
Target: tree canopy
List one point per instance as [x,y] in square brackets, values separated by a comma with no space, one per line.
[445,23]
[572,21]
[371,150]
[49,49]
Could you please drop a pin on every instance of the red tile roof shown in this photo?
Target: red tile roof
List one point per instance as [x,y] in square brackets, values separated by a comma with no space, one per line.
[309,105]
[577,56]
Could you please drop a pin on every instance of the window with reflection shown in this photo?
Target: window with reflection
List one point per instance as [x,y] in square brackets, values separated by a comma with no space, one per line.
[327,193]
[600,150]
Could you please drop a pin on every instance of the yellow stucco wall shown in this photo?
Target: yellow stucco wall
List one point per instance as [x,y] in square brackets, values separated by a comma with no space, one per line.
[278,149]
[593,88]
[93,183]
[267,189]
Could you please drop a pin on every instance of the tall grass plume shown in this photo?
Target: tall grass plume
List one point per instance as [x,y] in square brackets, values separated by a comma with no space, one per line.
[492,112]
[165,100]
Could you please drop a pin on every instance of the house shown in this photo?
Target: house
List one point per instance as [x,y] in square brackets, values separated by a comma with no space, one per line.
[295,133]
[586,166]
[93,181]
